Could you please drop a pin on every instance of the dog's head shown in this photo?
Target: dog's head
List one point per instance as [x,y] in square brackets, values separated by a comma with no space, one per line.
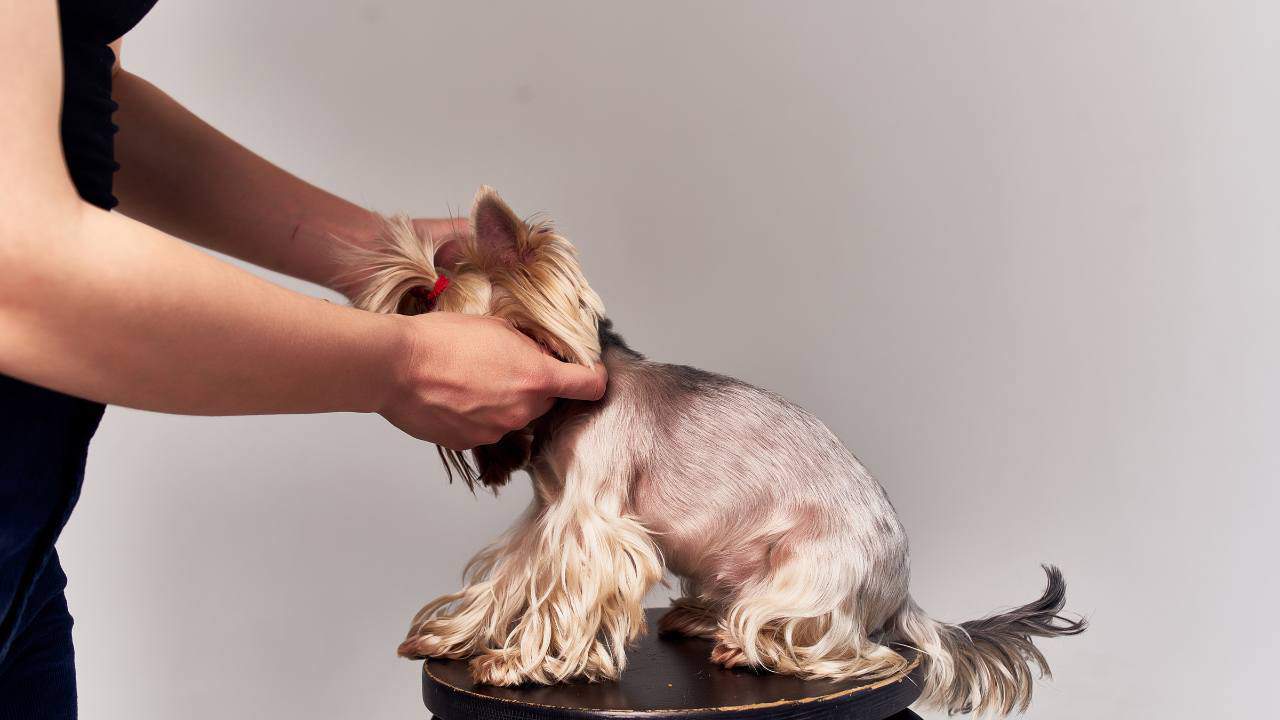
[525,273]
[518,270]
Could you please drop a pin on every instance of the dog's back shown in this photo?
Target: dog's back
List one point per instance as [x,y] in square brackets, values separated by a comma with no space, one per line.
[777,530]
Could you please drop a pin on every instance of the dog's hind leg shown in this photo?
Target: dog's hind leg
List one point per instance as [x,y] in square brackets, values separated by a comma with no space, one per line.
[811,611]
[690,615]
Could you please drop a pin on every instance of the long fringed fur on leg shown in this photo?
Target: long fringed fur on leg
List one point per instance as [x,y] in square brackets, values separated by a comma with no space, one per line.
[790,556]
[560,599]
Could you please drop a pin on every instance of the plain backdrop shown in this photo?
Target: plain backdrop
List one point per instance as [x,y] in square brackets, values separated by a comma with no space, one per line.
[1021,256]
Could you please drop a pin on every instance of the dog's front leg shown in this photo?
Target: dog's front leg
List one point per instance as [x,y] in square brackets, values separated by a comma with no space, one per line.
[584,582]
[477,617]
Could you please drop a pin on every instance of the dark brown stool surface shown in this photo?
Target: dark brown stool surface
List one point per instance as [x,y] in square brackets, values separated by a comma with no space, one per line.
[671,678]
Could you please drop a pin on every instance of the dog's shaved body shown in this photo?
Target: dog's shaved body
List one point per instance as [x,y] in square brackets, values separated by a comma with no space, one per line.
[789,552]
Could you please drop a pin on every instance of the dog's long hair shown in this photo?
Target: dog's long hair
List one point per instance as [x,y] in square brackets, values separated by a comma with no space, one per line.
[790,555]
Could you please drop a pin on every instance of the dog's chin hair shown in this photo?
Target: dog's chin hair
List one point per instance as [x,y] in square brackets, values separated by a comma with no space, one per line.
[456,462]
[489,465]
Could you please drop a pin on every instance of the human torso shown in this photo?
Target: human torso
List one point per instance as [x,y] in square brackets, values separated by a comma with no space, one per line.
[44,434]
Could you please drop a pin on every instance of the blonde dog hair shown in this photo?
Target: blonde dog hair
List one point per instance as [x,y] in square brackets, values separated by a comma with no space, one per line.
[790,555]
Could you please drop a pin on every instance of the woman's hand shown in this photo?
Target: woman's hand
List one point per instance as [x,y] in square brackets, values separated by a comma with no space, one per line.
[467,380]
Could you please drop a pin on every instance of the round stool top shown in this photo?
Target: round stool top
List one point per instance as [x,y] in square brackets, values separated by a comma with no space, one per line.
[670,678]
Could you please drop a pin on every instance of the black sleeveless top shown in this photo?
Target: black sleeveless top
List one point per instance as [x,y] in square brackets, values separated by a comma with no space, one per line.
[44,435]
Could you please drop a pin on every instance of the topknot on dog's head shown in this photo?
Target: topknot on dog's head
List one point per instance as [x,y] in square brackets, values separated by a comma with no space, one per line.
[393,275]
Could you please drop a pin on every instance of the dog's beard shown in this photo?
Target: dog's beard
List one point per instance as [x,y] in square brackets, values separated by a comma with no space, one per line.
[490,465]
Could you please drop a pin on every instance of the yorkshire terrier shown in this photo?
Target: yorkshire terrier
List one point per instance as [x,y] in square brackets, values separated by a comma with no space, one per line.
[790,556]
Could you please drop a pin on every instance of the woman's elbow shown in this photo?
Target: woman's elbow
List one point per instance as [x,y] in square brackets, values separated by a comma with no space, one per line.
[32,232]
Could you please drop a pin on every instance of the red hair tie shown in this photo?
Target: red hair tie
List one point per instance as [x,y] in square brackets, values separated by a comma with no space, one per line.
[429,297]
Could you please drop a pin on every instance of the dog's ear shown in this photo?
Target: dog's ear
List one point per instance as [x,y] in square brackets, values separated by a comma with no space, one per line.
[498,232]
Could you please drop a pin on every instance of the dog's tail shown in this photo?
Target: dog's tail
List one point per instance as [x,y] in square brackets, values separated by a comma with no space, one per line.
[985,665]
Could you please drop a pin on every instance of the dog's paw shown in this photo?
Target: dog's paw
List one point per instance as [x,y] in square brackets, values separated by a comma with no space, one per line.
[425,646]
[728,656]
[689,621]
[497,668]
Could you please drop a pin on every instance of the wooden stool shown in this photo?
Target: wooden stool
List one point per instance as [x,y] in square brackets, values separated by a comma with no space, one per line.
[670,678]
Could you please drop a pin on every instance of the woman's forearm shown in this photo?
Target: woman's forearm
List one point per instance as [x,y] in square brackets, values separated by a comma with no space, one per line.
[104,307]
[101,306]
[183,176]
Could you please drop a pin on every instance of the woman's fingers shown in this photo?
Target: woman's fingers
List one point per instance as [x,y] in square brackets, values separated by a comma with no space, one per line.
[468,380]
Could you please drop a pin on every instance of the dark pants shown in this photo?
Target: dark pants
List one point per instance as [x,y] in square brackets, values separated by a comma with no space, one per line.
[38,674]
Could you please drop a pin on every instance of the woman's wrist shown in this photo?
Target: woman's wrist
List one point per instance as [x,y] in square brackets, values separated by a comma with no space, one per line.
[325,239]
[399,365]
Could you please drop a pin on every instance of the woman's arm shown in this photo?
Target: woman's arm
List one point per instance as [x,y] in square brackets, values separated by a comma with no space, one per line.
[101,306]
[182,176]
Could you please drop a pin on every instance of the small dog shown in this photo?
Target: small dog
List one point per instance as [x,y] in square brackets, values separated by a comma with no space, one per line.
[790,556]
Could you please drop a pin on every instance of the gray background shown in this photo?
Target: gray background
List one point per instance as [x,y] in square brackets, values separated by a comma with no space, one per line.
[1020,256]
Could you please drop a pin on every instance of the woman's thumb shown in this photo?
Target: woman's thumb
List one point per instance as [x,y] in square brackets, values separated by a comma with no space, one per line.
[576,382]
